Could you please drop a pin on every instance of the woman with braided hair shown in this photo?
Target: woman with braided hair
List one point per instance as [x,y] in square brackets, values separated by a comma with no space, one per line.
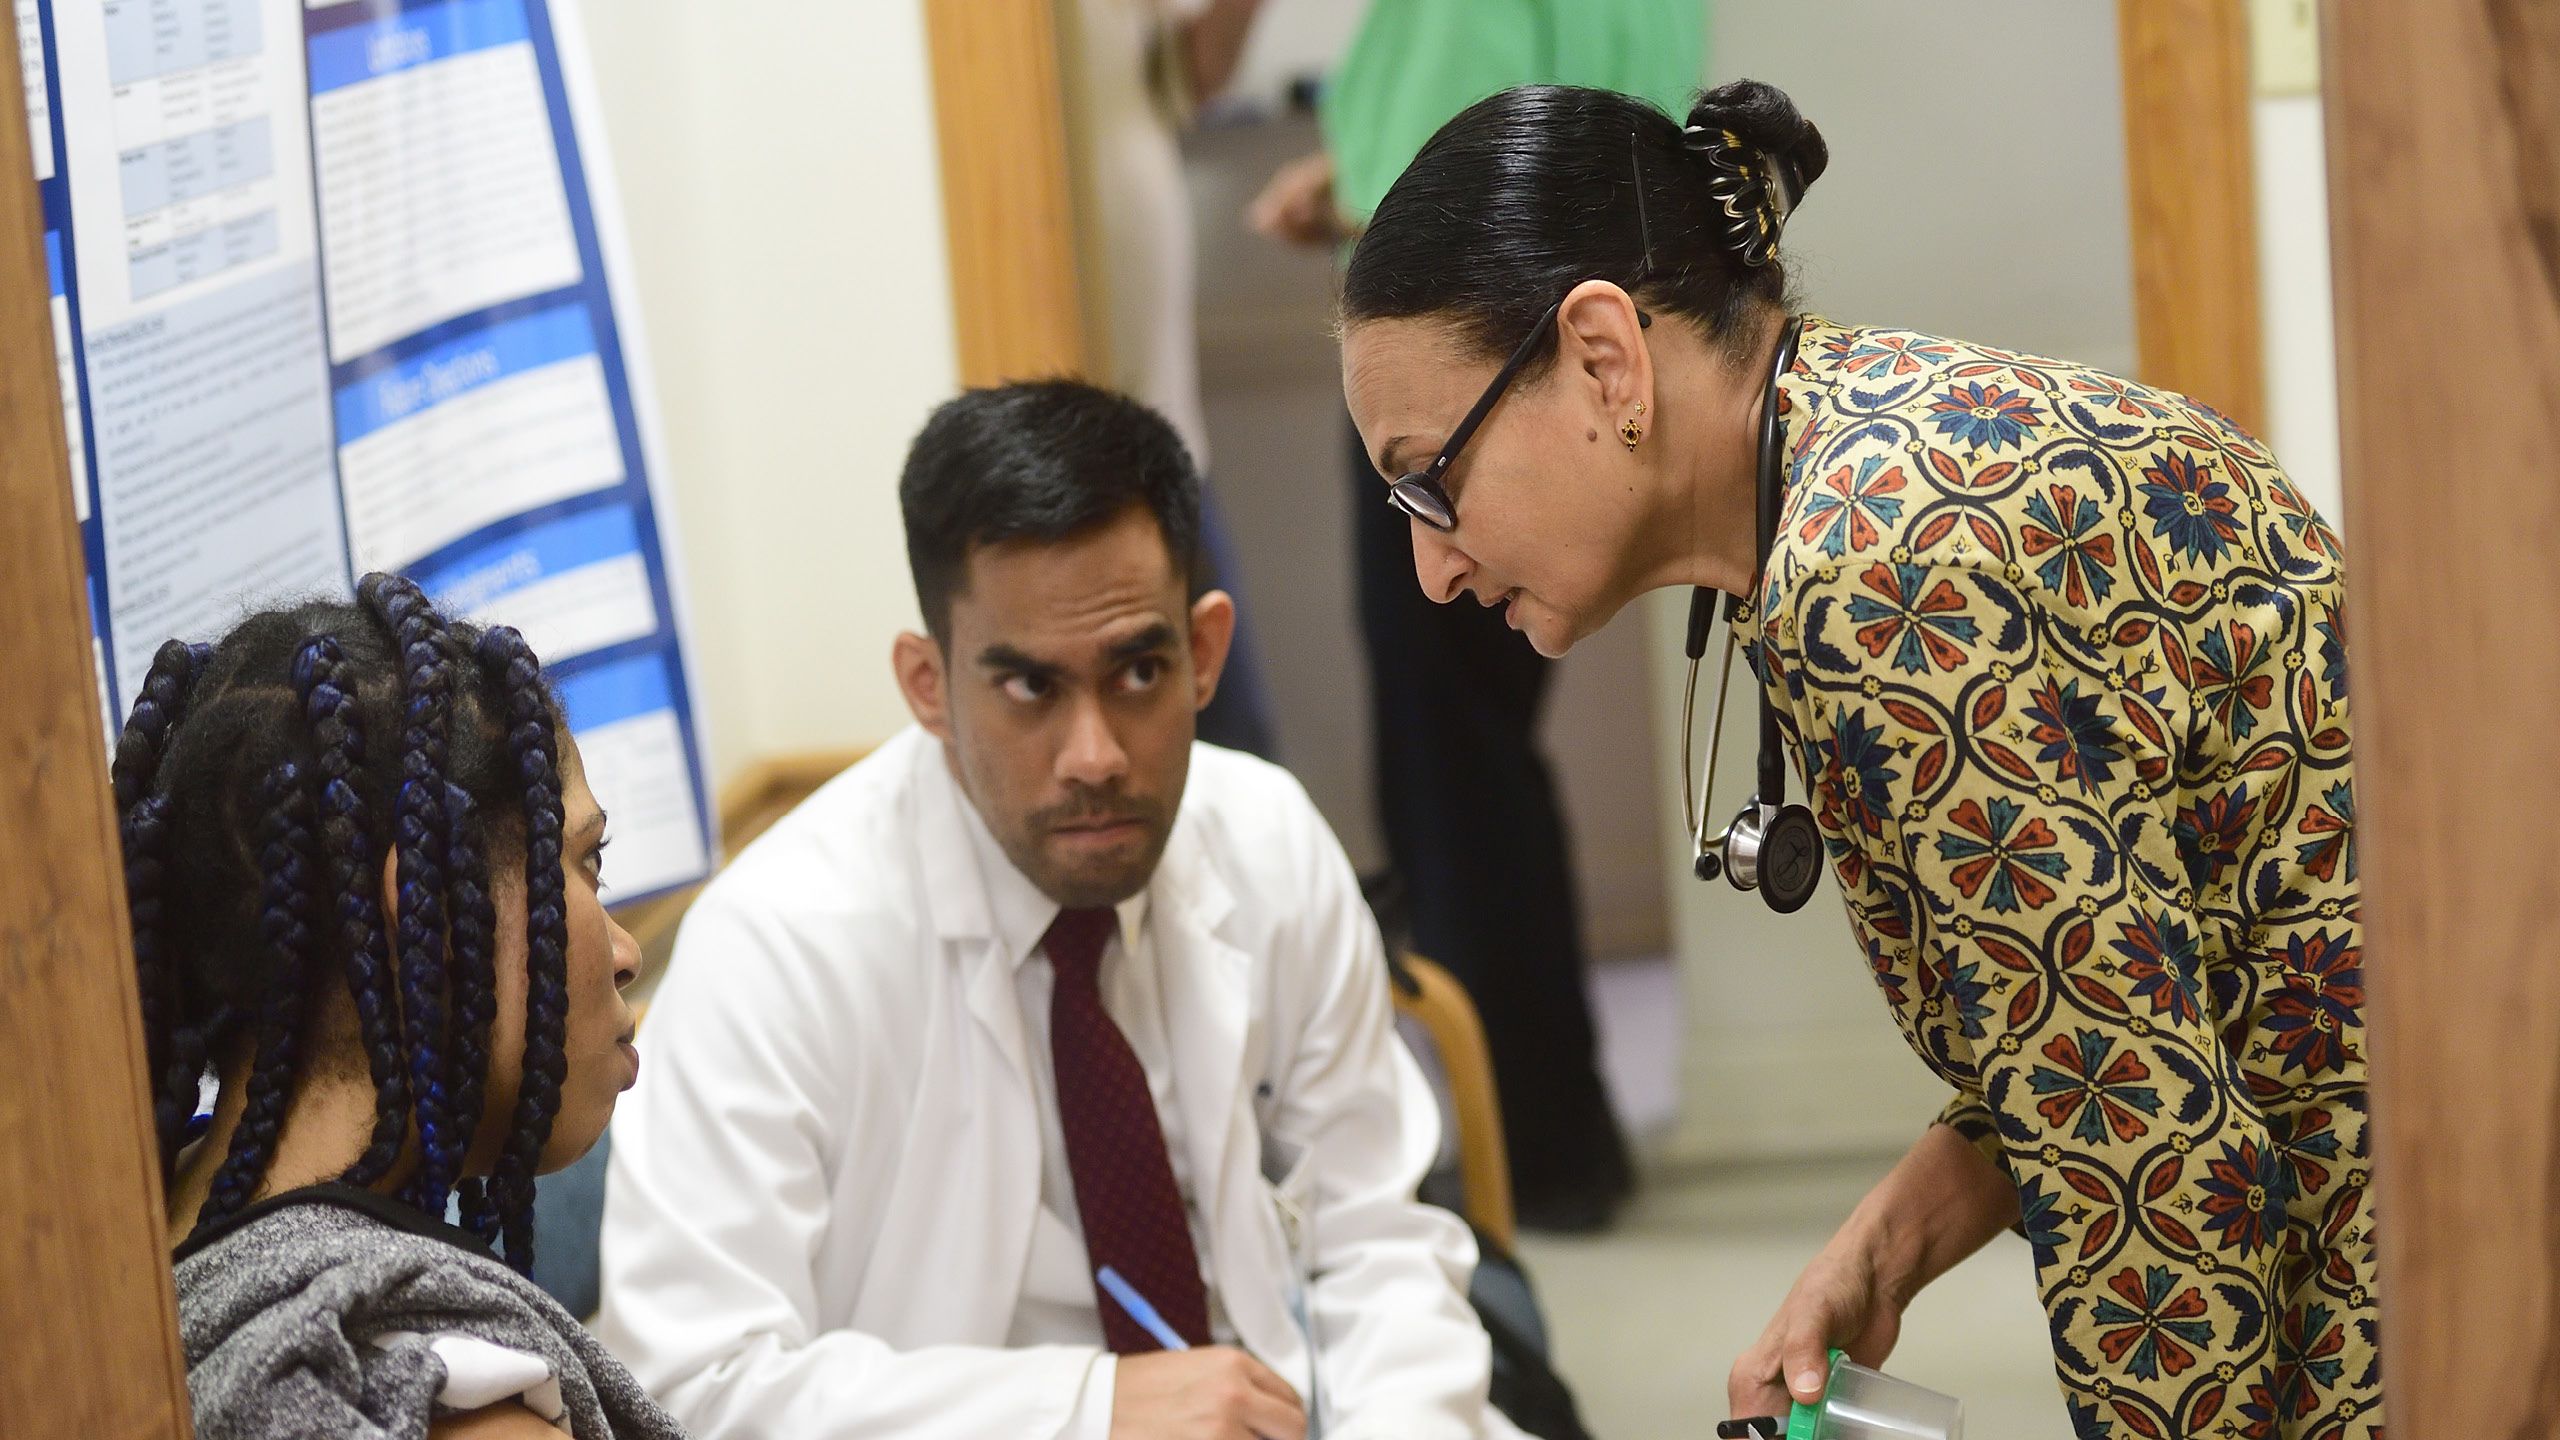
[2062,660]
[364,865]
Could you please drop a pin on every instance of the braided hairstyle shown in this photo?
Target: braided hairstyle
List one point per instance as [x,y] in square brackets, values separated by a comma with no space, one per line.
[474,926]
[290,921]
[532,742]
[1535,190]
[420,821]
[260,784]
[324,679]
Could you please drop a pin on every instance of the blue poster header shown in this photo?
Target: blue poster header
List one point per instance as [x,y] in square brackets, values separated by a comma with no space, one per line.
[413,38]
[623,690]
[460,366]
[468,583]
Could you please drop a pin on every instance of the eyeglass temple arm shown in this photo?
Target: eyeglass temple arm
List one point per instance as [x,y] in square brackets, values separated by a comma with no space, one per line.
[1502,378]
[1492,395]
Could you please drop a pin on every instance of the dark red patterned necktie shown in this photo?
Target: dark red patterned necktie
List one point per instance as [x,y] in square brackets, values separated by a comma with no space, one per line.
[1132,1210]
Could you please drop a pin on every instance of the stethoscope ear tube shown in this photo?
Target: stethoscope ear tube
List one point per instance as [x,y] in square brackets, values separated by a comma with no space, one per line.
[1702,613]
[1708,855]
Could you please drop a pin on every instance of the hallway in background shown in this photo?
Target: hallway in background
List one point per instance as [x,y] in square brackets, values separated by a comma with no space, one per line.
[1648,1317]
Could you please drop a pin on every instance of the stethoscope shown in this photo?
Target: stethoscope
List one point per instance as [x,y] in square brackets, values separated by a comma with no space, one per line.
[1772,847]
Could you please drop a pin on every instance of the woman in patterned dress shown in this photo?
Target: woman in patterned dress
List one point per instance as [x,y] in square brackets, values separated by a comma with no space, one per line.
[2063,660]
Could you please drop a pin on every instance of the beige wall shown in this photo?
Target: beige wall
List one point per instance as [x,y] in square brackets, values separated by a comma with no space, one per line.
[782,193]
[1993,212]
[2293,296]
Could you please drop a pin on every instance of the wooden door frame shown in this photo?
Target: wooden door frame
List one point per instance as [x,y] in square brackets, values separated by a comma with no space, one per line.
[86,1301]
[2444,182]
[2191,182]
[1007,194]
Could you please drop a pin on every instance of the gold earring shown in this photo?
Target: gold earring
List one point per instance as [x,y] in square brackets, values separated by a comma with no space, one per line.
[1631,432]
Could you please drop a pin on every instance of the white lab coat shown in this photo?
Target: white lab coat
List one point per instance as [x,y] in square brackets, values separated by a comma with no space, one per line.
[824,1187]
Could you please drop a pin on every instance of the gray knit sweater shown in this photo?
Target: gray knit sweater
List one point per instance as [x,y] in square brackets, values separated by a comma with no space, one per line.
[315,1313]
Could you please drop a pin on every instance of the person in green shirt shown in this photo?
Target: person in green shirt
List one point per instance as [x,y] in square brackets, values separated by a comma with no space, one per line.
[1466,801]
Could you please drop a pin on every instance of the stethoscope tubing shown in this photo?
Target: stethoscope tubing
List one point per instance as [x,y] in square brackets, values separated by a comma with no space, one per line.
[1708,857]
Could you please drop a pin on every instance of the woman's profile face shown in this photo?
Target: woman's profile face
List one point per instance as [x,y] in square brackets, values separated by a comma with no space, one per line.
[602,958]
[1545,492]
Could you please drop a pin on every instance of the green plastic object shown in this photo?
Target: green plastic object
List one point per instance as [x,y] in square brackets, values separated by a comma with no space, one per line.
[1804,1422]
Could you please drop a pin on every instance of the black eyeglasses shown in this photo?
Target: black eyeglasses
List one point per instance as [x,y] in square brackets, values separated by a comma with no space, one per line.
[1422,493]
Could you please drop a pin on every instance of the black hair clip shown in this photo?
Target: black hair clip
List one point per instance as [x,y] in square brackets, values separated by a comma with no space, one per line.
[1749,185]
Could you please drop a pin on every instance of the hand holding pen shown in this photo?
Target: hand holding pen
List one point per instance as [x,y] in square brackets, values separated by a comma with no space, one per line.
[1213,1393]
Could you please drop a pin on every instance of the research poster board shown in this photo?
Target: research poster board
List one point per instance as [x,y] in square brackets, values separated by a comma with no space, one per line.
[334,291]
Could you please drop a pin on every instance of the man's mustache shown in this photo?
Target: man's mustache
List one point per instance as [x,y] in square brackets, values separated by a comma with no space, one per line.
[1095,807]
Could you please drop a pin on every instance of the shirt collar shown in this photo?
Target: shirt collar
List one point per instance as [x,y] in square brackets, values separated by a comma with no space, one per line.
[1019,911]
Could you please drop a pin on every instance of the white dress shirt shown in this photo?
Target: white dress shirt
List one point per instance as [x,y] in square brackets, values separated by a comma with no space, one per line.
[1057,1306]
[838,1203]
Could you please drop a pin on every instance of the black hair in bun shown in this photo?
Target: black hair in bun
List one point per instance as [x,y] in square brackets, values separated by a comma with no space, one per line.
[1530,192]
[1763,118]
[1761,155]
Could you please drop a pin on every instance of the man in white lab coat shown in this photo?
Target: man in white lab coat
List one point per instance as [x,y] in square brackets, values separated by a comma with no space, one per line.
[1041,987]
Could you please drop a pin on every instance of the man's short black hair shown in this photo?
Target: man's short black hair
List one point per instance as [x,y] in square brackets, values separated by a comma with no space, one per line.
[1038,460]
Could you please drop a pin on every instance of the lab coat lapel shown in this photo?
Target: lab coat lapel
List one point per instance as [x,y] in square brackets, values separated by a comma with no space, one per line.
[1208,1012]
[983,1126]
[962,919]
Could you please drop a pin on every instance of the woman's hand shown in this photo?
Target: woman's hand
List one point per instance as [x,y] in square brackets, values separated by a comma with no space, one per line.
[1942,1202]
[1840,1301]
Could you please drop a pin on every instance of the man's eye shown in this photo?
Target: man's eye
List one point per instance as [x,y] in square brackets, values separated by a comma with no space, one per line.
[1143,673]
[1025,689]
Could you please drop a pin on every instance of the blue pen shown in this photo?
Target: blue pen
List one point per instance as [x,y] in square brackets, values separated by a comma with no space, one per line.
[1140,1311]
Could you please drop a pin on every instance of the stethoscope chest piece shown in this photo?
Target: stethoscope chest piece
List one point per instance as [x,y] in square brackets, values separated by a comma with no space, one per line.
[1776,850]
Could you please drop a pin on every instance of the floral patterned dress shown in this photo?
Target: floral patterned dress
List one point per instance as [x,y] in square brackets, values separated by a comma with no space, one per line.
[2064,658]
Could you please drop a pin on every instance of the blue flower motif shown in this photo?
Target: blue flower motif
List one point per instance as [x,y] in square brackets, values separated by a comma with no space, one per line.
[2160,958]
[2210,833]
[2190,507]
[2229,678]
[2244,1196]
[1856,771]
[2075,735]
[1984,414]
[1963,988]
[2323,998]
